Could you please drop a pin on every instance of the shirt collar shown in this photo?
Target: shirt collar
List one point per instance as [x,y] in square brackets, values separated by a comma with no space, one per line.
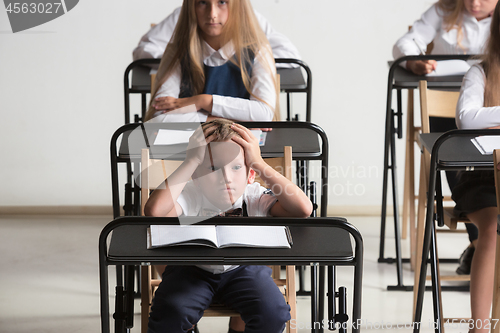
[225,52]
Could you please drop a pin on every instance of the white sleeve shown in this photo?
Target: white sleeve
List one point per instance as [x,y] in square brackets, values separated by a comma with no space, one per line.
[423,32]
[471,113]
[172,87]
[282,47]
[263,87]
[189,200]
[259,200]
[154,42]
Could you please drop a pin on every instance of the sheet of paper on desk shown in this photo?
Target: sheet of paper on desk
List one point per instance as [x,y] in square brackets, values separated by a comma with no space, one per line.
[172,137]
[260,135]
[486,144]
[450,67]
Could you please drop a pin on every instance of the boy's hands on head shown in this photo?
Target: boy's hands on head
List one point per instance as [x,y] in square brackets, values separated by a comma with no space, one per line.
[197,145]
[421,67]
[249,143]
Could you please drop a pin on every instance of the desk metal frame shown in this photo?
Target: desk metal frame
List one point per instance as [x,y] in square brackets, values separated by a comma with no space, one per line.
[459,161]
[391,130]
[249,256]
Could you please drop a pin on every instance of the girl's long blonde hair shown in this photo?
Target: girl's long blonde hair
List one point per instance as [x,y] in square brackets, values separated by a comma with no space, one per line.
[491,62]
[453,12]
[186,47]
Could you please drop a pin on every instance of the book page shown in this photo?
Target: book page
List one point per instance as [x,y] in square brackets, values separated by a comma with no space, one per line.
[450,67]
[165,235]
[486,144]
[253,236]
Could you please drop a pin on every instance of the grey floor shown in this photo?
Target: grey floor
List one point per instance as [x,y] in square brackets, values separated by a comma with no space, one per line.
[49,279]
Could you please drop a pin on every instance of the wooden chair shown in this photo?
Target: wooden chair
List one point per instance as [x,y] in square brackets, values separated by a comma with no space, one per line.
[153,173]
[433,103]
[495,312]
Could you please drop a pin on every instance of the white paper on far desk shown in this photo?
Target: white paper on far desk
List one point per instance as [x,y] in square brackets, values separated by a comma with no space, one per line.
[486,144]
[173,137]
[450,67]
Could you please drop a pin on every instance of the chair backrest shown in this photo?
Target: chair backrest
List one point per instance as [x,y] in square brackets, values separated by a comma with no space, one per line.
[436,103]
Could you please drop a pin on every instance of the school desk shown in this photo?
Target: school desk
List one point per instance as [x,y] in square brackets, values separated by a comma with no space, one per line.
[316,241]
[452,150]
[400,79]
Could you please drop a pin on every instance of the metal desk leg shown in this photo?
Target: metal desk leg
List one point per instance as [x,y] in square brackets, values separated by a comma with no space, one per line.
[429,244]
[314,297]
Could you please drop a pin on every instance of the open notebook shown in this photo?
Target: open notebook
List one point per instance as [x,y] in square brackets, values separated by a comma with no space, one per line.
[219,236]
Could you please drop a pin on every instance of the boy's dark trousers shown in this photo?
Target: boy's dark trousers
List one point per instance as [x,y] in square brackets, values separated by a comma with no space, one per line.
[186,291]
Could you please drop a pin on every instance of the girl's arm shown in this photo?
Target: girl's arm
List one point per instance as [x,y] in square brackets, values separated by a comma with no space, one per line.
[262,81]
[471,113]
[422,32]
[292,201]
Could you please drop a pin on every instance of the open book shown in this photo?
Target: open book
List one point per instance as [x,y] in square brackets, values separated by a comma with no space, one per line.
[219,236]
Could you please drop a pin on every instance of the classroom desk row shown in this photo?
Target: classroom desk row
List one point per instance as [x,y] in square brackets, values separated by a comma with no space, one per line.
[400,79]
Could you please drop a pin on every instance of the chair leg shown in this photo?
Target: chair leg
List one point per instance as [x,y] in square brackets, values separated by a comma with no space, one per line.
[291,298]
[146,295]
[419,234]
[409,179]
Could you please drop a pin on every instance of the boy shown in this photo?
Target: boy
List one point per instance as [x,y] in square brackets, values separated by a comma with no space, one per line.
[222,159]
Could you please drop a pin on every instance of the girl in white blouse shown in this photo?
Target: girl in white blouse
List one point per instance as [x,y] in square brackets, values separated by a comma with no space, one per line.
[219,60]
[455,27]
[479,107]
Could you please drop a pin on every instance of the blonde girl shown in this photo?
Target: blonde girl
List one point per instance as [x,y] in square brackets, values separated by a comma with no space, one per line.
[218,60]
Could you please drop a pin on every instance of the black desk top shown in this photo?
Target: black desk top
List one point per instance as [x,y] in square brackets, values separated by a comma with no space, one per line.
[291,79]
[404,79]
[457,151]
[304,141]
[310,244]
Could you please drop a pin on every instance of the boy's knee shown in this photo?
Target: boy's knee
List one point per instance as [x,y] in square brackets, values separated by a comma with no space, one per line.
[269,318]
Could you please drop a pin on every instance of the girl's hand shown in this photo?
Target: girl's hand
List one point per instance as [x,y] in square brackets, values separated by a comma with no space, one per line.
[421,67]
[249,143]
[168,103]
[197,145]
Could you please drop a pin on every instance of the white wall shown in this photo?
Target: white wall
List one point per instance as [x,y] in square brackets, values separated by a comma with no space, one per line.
[61,92]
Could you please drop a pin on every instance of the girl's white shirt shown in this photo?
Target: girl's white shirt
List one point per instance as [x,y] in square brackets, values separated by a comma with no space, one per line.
[471,112]
[430,27]
[154,42]
[262,85]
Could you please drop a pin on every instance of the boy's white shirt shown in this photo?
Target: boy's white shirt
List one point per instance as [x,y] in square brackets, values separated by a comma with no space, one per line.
[259,201]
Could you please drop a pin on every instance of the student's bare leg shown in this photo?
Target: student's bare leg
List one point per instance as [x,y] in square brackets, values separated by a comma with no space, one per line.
[482,268]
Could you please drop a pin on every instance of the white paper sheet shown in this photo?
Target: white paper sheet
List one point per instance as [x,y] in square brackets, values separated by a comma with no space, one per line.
[486,144]
[172,137]
[450,67]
